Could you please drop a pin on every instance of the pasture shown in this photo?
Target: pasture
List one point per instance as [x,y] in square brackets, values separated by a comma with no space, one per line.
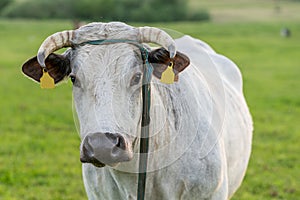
[39,146]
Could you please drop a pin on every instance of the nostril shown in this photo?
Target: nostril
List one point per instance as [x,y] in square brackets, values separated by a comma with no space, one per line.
[121,142]
[117,140]
[84,156]
[112,137]
[88,146]
[87,152]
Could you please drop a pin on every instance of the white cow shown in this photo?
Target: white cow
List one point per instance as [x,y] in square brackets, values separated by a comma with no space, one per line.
[201,128]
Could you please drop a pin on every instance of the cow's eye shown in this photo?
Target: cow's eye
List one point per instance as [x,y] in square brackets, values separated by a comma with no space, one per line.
[136,79]
[73,78]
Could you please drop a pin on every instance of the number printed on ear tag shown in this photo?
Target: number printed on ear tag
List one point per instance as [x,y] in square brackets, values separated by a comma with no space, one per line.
[47,82]
[168,75]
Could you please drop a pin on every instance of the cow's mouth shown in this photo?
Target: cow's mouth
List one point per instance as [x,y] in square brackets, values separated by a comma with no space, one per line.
[96,163]
[99,165]
[102,149]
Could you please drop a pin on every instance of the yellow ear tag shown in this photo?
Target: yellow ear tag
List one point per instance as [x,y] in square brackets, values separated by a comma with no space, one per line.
[47,82]
[168,75]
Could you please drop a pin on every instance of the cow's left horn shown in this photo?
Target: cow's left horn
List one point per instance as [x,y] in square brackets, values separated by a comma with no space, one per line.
[157,36]
[53,43]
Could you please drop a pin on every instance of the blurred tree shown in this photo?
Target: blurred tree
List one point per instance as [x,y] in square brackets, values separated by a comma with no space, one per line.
[104,10]
[167,10]
[4,3]
[40,9]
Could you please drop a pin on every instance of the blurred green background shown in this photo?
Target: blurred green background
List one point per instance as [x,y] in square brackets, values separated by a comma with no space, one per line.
[122,10]
[39,146]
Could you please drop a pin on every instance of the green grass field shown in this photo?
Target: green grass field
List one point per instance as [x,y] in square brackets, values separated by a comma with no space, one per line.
[39,146]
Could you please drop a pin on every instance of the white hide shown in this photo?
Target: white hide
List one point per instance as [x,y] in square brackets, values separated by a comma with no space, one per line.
[200,128]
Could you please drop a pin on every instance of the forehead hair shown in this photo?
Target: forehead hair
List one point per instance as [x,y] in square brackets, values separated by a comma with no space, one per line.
[109,60]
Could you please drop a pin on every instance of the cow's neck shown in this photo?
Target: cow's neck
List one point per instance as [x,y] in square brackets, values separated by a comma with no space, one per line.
[164,116]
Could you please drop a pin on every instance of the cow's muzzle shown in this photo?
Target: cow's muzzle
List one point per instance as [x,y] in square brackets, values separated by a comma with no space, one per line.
[102,149]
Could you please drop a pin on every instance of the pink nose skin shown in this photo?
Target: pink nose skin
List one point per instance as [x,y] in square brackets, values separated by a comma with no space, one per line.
[102,149]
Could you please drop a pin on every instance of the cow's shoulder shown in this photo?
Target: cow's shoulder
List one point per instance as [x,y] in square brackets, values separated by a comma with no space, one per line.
[229,71]
[198,50]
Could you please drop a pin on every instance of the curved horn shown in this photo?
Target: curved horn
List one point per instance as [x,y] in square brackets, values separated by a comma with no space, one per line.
[157,36]
[52,43]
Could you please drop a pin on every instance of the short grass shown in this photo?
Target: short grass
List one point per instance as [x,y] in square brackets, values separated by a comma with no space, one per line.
[39,146]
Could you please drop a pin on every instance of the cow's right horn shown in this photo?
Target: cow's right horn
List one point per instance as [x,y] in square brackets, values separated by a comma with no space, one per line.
[157,36]
[52,43]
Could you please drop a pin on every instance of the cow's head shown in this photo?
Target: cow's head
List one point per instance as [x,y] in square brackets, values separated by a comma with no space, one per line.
[107,82]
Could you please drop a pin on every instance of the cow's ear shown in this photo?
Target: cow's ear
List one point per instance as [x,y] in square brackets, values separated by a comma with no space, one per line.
[160,59]
[58,67]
